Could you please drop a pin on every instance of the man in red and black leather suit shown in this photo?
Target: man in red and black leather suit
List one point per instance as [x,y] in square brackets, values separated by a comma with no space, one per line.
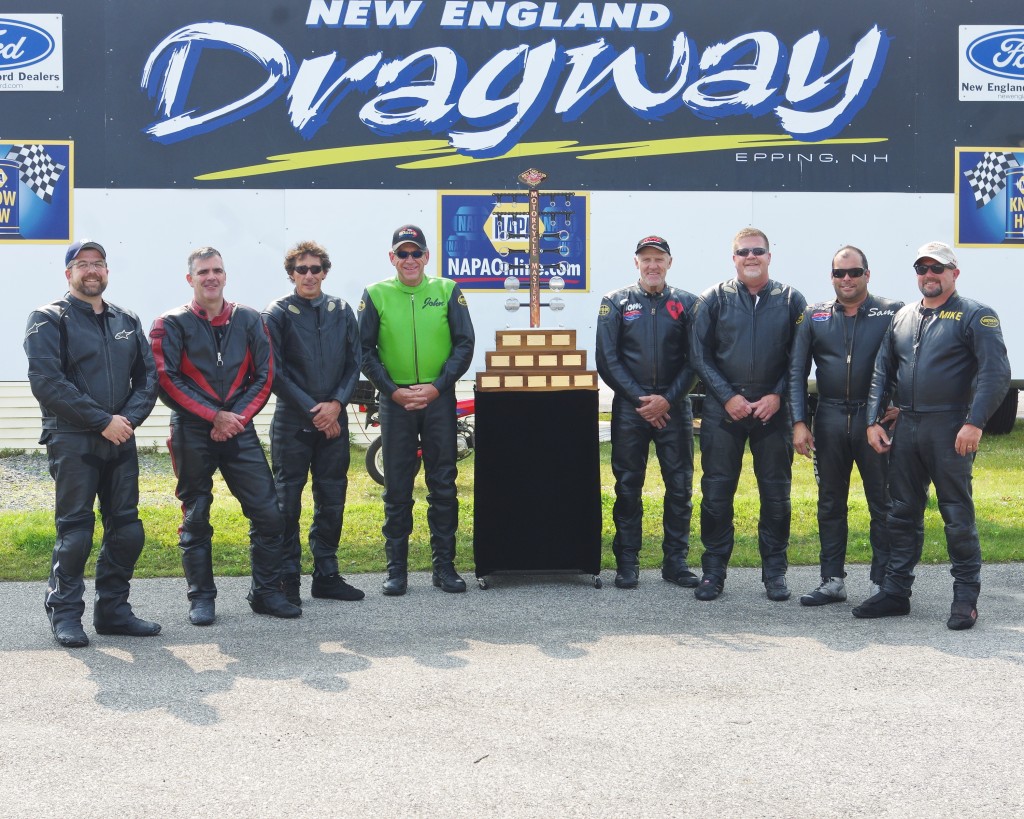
[215,365]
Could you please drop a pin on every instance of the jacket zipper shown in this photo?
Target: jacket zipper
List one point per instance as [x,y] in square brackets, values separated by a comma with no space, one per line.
[105,333]
[654,340]
[849,364]
[921,329]
[415,344]
[320,348]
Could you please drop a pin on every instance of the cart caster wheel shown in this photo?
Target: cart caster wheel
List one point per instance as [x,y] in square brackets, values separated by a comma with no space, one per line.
[597,581]
[482,583]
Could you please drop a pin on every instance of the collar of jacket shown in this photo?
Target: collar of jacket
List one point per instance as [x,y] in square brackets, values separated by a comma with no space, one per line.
[216,321]
[84,306]
[837,306]
[952,299]
[319,300]
[405,288]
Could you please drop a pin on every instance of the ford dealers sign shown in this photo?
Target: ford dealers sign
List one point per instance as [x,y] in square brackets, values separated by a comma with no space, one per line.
[31,52]
[992,63]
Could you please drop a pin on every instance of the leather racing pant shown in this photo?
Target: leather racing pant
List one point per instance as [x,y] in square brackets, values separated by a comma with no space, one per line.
[85,465]
[840,441]
[403,432]
[298,449]
[243,466]
[922,451]
[722,442]
[673,444]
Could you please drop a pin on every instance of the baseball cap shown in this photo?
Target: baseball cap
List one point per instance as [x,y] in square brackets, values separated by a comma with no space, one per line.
[409,233]
[939,251]
[79,246]
[653,241]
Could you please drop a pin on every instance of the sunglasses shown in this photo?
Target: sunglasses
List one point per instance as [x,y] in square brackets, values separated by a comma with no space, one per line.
[852,272]
[405,254]
[935,268]
[303,269]
[746,251]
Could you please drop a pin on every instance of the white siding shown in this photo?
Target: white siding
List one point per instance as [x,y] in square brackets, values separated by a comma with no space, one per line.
[20,423]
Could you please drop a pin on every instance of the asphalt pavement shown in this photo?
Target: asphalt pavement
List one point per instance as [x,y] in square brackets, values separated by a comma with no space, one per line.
[539,697]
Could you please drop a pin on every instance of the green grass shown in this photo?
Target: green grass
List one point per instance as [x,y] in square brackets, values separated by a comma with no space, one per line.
[26,538]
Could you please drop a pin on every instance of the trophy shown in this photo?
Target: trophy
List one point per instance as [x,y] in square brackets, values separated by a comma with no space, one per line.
[535,358]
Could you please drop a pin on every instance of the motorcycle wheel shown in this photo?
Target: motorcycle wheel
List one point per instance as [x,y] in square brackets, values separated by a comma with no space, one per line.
[375,460]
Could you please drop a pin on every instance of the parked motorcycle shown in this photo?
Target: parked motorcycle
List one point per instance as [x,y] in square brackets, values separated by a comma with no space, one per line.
[369,406]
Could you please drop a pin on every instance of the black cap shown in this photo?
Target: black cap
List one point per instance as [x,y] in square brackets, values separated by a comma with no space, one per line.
[79,246]
[409,233]
[653,241]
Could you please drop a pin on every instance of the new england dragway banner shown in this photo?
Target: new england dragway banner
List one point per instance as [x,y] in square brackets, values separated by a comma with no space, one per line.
[778,95]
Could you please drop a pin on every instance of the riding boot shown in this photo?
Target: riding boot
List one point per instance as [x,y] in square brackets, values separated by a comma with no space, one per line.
[443,518]
[197,562]
[65,590]
[112,613]
[266,596]
[397,552]
[627,571]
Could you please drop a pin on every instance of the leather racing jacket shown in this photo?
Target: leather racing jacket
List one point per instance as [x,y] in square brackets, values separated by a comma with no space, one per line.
[83,373]
[316,350]
[415,335]
[843,366]
[943,359]
[206,366]
[741,346]
[643,344]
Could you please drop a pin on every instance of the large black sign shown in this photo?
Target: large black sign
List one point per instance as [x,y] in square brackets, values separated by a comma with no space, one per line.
[787,95]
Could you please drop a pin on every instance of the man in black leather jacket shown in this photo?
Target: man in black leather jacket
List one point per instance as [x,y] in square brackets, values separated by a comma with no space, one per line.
[316,351]
[842,336]
[91,369]
[643,355]
[742,334]
[215,365]
[946,359]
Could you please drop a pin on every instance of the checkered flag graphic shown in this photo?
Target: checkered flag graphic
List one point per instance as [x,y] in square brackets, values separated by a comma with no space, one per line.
[38,170]
[988,177]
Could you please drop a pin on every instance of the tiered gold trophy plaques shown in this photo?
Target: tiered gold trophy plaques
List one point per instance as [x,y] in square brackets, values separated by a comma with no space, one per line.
[536,360]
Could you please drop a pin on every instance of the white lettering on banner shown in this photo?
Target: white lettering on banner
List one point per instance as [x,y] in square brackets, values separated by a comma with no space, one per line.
[487,113]
[358,13]
[172,87]
[462,266]
[527,15]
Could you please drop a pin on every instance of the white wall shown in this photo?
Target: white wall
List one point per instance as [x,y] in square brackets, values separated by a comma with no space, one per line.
[149,233]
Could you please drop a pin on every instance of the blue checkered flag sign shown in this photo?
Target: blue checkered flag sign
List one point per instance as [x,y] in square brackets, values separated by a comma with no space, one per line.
[988,177]
[38,170]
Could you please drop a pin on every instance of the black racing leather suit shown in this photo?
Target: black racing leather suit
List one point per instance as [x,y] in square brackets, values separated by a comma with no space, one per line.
[843,349]
[949,367]
[84,368]
[316,351]
[643,348]
[208,364]
[741,346]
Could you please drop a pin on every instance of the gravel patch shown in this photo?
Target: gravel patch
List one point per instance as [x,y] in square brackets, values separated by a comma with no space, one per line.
[26,485]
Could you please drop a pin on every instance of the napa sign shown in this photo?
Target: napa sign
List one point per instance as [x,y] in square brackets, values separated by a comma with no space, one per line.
[481,86]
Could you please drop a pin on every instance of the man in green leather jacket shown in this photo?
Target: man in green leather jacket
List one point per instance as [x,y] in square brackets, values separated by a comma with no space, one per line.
[417,341]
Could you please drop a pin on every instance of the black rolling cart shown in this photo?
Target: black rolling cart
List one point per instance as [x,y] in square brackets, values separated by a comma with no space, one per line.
[537,498]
